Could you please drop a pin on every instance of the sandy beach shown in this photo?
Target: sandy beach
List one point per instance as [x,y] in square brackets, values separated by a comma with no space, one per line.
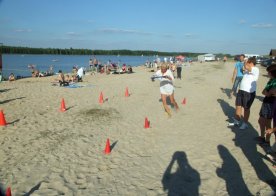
[44,151]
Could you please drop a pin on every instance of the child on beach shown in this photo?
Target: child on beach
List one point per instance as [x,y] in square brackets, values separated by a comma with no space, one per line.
[166,87]
[11,77]
[237,75]
[246,93]
[266,112]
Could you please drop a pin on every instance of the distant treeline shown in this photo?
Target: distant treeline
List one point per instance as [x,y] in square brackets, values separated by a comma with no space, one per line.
[72,51]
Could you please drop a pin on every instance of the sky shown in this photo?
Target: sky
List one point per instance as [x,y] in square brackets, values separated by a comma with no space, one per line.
[203,26]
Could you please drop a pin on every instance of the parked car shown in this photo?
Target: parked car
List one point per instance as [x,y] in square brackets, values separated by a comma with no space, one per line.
[267,62]
[259,60]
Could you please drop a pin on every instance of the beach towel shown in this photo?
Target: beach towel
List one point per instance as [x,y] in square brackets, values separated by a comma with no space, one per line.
[75,85]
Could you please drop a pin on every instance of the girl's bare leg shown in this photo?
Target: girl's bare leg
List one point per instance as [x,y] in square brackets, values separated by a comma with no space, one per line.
[163,97]
[174,102]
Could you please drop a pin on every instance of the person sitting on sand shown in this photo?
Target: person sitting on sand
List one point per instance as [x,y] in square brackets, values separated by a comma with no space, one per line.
[35,73]
[67,78]
[124,68]
[11,77]
[166,87]
[80,74]
[61,79]
[129,69]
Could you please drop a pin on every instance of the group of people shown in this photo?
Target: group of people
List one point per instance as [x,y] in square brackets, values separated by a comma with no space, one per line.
[175,66]
[36,73]
[96,67]
[245,76]
[77,76]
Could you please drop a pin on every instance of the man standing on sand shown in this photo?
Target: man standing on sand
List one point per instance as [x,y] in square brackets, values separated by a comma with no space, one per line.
[237,75]
[90,63]
[178,68]
[95,63]
[247,93]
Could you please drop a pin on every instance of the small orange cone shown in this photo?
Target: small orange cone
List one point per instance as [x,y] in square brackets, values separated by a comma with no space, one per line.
[62,106]
[2,119]
[147,123]
[107,147]
[184,101]
[101,98]
[126,92]
[8,192]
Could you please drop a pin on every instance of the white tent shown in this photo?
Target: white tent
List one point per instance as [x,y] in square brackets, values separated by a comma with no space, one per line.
[206,57]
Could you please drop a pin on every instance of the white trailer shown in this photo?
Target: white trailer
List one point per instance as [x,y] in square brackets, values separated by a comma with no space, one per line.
[206,57]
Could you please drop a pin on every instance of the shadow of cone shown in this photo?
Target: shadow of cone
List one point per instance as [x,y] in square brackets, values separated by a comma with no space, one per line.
[101,98]
[107,147]
[8,192]
[2,119]
[184,101]
[62,106]
[147,123]
[126,92]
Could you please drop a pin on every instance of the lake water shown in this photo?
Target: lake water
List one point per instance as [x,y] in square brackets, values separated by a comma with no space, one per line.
[18,64]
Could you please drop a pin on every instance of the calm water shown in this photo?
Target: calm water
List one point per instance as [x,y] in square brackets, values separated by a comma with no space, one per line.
[18,64]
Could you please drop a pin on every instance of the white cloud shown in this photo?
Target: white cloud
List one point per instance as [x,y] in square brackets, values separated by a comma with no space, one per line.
[262,25]
[23,30]
[124,31]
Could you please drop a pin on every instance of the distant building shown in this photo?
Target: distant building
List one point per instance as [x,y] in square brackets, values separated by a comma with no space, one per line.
[206,57]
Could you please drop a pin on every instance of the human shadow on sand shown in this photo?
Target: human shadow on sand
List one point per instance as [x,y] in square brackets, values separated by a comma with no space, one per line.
[184,180]
[231,172]
[4,90]
[9,100]
[245,140]
[227,91]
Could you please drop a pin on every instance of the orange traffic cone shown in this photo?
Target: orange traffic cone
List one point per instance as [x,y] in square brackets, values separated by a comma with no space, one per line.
[126,92]
[8,192]
[147,123]
[107,147]
[101,98]
[184,101]
[2,119]
[62,106]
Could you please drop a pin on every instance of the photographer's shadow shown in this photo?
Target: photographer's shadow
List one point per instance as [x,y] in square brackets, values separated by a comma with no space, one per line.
[231,172]
[184,181]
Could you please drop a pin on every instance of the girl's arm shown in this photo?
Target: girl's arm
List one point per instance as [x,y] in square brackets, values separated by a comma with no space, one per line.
[270,131]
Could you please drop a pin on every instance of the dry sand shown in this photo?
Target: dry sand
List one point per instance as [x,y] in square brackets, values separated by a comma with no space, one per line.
[47,152]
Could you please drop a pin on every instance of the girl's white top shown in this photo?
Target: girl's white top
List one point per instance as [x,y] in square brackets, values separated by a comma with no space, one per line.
[166,85]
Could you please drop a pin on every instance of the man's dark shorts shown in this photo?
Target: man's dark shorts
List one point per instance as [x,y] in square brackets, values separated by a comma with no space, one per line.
[245,99]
